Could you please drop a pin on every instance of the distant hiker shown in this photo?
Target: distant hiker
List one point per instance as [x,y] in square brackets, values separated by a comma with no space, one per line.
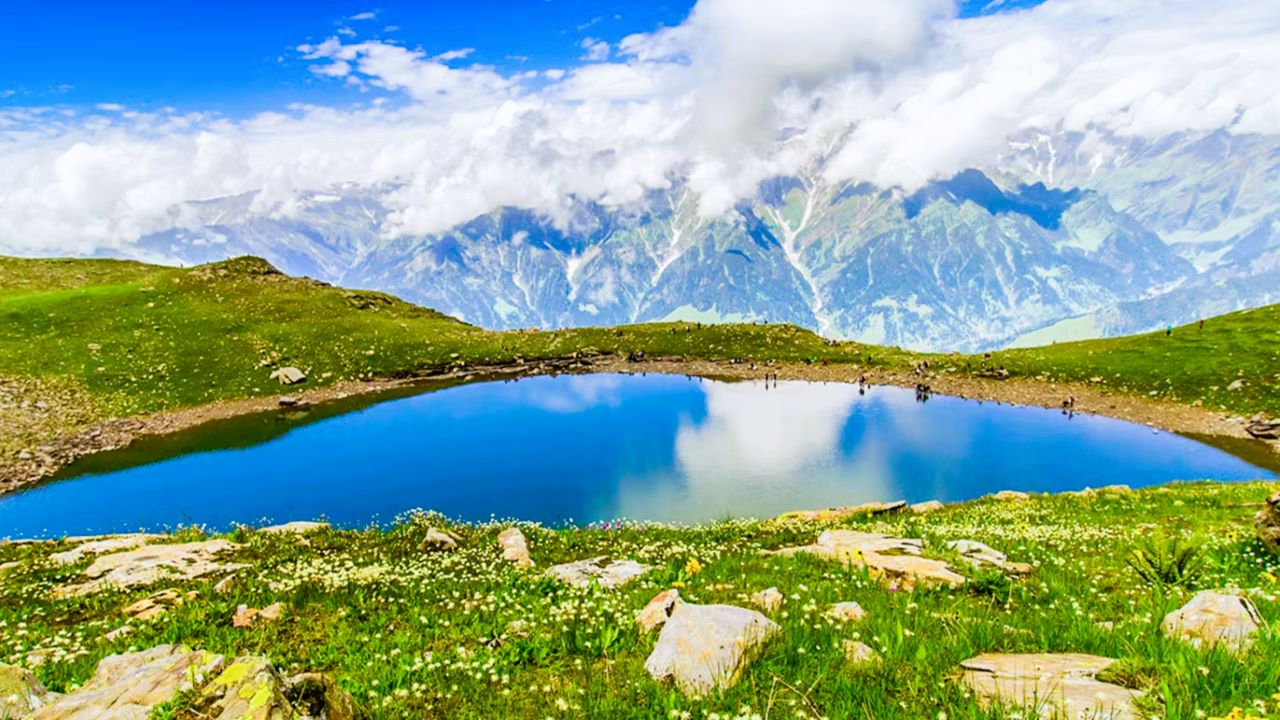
[1202,324]
[1168,331]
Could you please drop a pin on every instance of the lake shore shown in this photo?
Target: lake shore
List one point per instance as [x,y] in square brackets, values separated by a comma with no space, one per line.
[113,434]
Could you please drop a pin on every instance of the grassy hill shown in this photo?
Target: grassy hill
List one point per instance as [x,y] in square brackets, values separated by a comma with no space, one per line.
[108,338]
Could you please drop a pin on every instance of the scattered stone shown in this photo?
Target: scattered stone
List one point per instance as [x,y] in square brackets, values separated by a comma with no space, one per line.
[153,606]
[515,549]
[846,612]
[101,547]
[1267,522]
[1236,385]
[880,555]
[1264,430]
[249,617]
[706,647]
[859,653]
[1054,686]
[149,564]
[122,631]
[1211,618]
[129,686]
[656,612]
[439,540]
[832,514]
[21,694]
[298,527]
[926,507]
[226,584]
[1006,495]
[288,375]
[769,599]
[288,401]
[595,570]
[982,555]
[318,696]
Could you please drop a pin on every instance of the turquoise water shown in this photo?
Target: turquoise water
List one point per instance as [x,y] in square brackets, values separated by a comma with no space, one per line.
[596,447]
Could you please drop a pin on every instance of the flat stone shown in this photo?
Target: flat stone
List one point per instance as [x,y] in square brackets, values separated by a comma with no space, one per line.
[250,617]
[437,539]
[859,653]
[659,608]
[127,687]
[1211,618]
[704,648]
[926,507]
[1054,685]
[982,555]
[288,375]
[153,606]
[846,612]
[101,547]
[298,527]
[515,549]
[831,514]
[1008,495]
[896,560]
[21,694]
[248,689]
[769,599]
[584,573]
[151,563]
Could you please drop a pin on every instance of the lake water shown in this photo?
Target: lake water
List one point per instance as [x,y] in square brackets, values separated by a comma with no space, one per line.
[594,447]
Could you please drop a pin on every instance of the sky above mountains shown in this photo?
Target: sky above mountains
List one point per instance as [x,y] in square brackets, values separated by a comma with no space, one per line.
[111,117]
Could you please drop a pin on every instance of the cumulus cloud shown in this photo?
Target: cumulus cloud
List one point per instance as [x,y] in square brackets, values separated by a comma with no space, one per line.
[894,92]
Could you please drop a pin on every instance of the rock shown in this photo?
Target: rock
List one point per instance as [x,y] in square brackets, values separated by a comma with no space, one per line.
[127,687]
[1267,522]
[318,696]
[439,540]
[609,576]
[122,631]
[225,585]
[152,607]
[1006,495]
[288,375]
[21,694]
[846,612]
[858,653]
[659,608]
[298,527]
[6,567]
[100,547]
[926,507]
[288,401]
[249,689]
[895,560]
[1263,430]
[831,514]
[982,555]
[149,564]
[769,599]
[1235,385]
[706,647]
[1211,618]
[250,617]
[1054,685]
[515,549]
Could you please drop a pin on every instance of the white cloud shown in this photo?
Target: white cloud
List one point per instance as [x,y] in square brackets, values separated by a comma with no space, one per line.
[368,15]
[894,92]
[595,50]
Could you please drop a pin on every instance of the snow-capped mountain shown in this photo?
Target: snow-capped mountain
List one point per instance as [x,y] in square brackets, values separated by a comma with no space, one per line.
[1064,233]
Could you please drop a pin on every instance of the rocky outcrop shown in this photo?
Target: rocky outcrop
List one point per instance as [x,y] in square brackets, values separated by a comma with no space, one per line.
[130,686]
[437,539]
[1052,685]
[598,571]
[981,555]
[101,547]
[846,612]
[515,549]
[832,514]
[149,564]
[21,694]
[859,653]
[153,606]
[926,507]
[897,561]
[298,527]
[1010,495]
[1267,522]
[704,648]
[658,610]
[1213,618]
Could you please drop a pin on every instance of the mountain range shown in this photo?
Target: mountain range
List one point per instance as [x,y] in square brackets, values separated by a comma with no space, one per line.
[1063,235]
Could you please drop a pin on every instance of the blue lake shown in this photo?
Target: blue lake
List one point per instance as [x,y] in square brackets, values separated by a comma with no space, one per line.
[594,447]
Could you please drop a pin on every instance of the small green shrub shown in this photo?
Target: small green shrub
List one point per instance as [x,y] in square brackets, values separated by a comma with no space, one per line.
[1166,562]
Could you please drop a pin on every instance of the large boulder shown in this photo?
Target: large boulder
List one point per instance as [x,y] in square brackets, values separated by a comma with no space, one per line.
[101,547]
[248,689]
[515,549]
[149,564]
[1213,618]
[1267,521]
[598,571]
[658,610]
[704,648]
[1053,685]
[21,694]
[897,561]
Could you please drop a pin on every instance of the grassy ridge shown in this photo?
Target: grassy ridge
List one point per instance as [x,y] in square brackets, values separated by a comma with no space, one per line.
[416,634]
[113,338]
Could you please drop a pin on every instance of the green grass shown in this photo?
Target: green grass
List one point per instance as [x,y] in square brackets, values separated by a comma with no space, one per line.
[437,635]
[108,338]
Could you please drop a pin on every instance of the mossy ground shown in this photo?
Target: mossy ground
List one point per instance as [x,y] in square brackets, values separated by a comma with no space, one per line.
[93,339]
[463,634]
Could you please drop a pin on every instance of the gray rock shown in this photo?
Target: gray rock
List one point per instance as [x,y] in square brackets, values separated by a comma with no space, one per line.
[127,687]
[298,527]
[1267,522]
[100,547]
[584,573]
[658,610]
[1054,685]
[859,653]
[896,560]
[926,507]
[437,539]
[515,549]
[288,375]
[1213,618]
[151,563]
[21,694]
[769,599]
[704,648]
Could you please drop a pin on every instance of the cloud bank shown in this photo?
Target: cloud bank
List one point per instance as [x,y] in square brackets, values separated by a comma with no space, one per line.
[894,92]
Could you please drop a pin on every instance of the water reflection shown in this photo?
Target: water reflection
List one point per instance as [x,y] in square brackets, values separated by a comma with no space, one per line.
[586,448]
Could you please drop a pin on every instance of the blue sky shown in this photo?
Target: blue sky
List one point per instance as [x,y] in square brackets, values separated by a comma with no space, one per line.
[238,56]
